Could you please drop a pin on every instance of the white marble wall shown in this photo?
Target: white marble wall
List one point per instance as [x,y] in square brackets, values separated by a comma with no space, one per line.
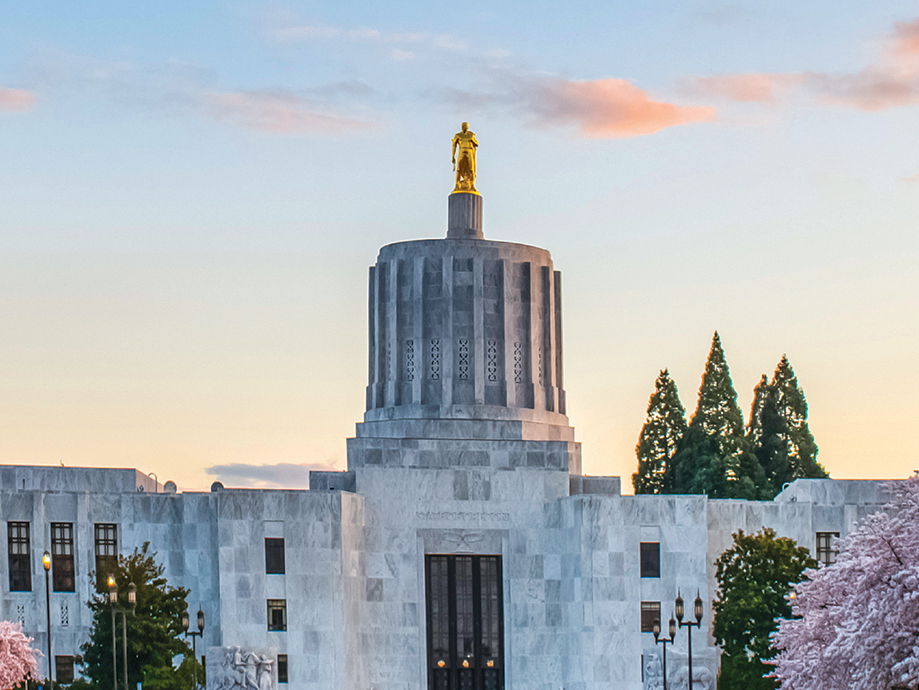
[354,581]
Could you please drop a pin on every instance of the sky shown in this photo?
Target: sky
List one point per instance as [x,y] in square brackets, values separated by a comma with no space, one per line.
[191,194]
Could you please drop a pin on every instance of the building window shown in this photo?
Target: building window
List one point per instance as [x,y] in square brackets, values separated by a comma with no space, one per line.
[19,556]
[650,612]
[63,669]
[277,614]
[62,573]
[282,668]
[274,556]
[106,553]
[826,547]
[650,559]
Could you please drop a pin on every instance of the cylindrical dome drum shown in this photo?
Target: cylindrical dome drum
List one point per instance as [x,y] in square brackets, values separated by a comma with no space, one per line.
[465,329]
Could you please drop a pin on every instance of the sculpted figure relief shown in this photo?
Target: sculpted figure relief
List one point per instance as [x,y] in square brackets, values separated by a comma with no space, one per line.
[245,670]
[465,142]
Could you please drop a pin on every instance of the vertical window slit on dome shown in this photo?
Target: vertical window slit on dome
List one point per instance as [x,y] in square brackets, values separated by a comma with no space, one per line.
[518,363]
[463,358]
[435,358]
[409,360]
[491,359]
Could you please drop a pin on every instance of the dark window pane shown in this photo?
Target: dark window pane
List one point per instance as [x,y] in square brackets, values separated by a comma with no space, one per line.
[20,556]
[826,547]
[282,668]
[650,559]
[62,573]
[650,612]
[63,669]
[274,556]
[277,614]
[106,546]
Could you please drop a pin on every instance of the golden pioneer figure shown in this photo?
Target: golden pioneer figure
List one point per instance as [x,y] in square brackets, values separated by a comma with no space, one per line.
[465,169]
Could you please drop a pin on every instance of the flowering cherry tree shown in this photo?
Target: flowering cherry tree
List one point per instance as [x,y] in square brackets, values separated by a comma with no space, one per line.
[858,619]
[18,660]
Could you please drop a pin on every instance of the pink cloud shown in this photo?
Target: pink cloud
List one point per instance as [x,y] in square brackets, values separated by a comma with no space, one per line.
[16,99]
[912,178]
[607,108]
[746,88]
[278,112]
[906,38]
[874,88]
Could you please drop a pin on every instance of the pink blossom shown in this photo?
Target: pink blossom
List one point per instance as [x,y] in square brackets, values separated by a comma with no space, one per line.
[858,624]
[18,660]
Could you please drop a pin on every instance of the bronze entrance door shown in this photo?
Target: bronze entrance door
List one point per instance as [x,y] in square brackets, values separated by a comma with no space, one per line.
[465,622]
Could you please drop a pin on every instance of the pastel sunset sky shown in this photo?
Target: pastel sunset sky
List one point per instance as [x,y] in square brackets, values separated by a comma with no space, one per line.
[191,193]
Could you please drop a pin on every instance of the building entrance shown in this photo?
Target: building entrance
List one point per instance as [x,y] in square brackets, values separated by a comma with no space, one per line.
[465,615]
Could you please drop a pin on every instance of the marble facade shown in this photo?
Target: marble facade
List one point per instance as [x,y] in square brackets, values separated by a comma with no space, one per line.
[464,448]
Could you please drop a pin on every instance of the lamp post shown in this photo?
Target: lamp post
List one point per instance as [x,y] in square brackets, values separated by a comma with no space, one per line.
[132,603]
[697,610]
[194,635]
[112,600]
[664,641]
[46,564]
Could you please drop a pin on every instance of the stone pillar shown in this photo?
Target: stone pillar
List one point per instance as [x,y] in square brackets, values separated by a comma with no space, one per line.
[464,216]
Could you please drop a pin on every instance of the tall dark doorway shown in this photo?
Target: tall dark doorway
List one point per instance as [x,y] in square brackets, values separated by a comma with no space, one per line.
[465,614]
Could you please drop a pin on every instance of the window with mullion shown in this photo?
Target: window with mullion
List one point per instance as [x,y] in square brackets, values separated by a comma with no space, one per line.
[274,556]
[106,544]
[20,556]
[62,568]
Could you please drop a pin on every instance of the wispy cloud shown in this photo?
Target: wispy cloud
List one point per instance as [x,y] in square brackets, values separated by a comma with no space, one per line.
[890,81]
[280,112]
[607,108]
[595,108]
[16,100]
[745,88]
[281,475]
[405,41]
[905,38]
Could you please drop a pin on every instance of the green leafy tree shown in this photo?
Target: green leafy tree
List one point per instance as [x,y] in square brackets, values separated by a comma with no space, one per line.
[715,457]
[154,627]
[664,429]
[754,576]
[778,431]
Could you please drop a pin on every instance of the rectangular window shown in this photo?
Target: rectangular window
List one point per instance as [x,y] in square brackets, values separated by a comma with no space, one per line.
[106,537]
[274,556]
[282,668]
[650,612]
[277,614]
[826,547]
[20,556]
[650,559]
[63,669]
[62,573]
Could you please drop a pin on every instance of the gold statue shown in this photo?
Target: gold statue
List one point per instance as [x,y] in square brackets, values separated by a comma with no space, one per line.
[465,169]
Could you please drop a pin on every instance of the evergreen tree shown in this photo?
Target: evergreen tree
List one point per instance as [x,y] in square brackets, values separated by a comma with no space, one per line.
[154,626]
[778,430]
[792,406]
[664,429]
[754,577]
[715,457]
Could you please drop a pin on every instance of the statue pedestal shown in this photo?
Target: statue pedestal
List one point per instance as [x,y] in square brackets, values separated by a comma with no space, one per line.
[464,216]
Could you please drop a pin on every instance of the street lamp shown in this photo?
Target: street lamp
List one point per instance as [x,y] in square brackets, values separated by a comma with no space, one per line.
[697,610]
[113,599]
[132,604]
[194,635]
[664,641]
[46,564]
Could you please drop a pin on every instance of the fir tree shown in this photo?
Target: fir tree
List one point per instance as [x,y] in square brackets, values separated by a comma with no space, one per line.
[715,458]
[664,429]
[792,406]
[778,430]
